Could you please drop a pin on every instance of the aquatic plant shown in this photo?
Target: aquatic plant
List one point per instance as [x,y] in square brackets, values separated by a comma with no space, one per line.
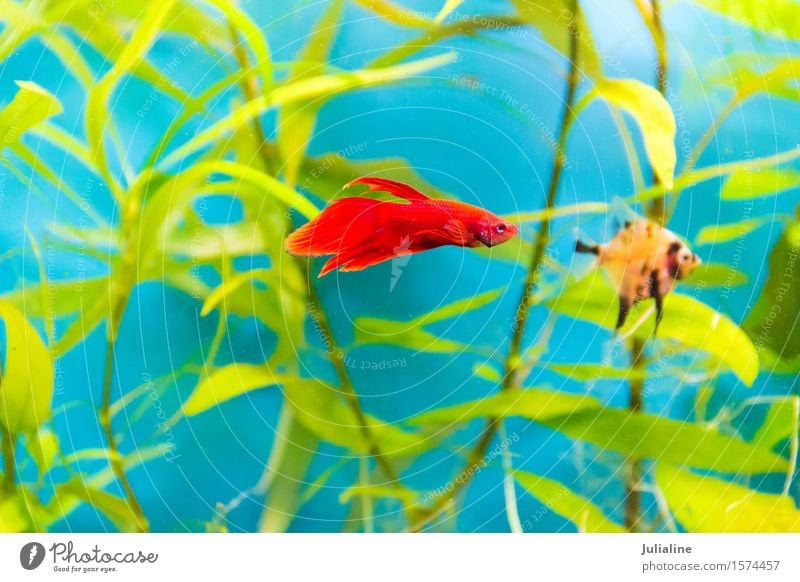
[242,135]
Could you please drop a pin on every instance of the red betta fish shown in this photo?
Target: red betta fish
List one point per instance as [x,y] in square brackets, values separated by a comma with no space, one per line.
[361,232]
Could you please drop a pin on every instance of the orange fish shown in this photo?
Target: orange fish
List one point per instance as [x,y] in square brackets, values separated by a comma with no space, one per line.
[361,232]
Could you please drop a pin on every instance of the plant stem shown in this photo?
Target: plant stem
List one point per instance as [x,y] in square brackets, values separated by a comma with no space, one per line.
[9,463]
[347,388]
[115,458]
[249,89]
[634,468]
[701,146]
[475,459]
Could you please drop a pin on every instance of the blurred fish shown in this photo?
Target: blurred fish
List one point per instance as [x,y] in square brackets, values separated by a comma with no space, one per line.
[361,232]
[643,260]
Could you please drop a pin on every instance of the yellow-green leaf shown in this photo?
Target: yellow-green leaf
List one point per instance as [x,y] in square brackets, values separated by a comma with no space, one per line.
[294,92]
[296,121]
[13,517]
[686,320]
[293,451]
[633,434]
[780,423]
[774,321]
[448,7]
[722,233]
[749,183]
[705,504]
[30,106]
[654,117]
[324,412]
[26,386]
[228,382]
[777,17]
[97,113]
[117,510]
[586,516]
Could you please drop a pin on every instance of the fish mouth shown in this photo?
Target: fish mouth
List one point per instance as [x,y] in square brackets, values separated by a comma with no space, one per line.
[491,239]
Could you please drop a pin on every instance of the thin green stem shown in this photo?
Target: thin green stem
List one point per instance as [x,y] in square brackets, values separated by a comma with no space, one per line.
[249,89]
[701,146]
[115,458]
[634,468]
[346,385]
[511,379]
[9,464]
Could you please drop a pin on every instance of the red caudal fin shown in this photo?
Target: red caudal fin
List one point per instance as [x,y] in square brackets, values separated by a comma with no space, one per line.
[395,188]
[352,229]
[381,247]
[343,223]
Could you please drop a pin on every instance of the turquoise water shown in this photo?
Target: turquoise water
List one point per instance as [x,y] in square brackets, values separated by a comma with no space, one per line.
[488,145]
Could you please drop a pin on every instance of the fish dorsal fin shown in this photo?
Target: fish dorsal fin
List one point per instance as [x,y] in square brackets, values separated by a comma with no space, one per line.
[622,214]
[394,188]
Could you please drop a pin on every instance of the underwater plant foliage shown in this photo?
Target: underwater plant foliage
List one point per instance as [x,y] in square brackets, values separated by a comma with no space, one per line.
[167,366]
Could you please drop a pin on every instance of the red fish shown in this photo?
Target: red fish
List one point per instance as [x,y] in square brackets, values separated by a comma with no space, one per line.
[361,232]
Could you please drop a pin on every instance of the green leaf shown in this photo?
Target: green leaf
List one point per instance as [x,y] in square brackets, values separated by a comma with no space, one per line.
[487,372]
[773,323]
[633,434]
[711,275]
[115,508]
[687,180]
[323,411]
[777,17]
[747,183]
[97,112]
[326,175]
[552,20]
[26,386]
[705,504]
[686,320]
[13,515]
[30,106]
[43,447]
[228,382]
[404,494]
[780,423]
[448,7]
[292,452]
[586,516]
[296,121]
[559,211]
[411,335]
[230,286]
[395,14]
[638,436]
[588,372]
[722,233]
[257,41]
[297,91]
[654,117]
[532,403]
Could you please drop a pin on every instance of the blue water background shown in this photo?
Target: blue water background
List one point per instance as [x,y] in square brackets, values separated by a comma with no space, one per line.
[466,142]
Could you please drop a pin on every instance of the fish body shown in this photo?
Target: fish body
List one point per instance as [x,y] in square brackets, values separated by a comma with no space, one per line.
[361,231]
[643,261]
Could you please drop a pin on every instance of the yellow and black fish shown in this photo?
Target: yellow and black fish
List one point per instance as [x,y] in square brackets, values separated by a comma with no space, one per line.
[643,261]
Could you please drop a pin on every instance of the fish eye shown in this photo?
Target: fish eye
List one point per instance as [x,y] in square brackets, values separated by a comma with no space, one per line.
[685,257]
[500,228]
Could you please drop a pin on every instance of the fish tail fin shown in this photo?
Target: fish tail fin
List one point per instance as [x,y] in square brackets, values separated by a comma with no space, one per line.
[582,247]
[346,222]
[382,246]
